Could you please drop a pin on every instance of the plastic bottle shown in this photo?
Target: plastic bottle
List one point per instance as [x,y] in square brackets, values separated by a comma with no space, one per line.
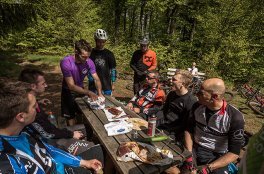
[52,119]
[152,125]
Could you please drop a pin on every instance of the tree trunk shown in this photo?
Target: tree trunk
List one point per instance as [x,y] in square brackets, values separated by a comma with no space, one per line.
[142,17]
[118,9]
[124,20]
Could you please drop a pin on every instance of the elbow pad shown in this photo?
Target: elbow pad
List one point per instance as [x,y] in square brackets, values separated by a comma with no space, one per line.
[90,77]
[113,75]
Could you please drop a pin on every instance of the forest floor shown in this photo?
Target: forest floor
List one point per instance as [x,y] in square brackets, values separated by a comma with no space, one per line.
[54,78]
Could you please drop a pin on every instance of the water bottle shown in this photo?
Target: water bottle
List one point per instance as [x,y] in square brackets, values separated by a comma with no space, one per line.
[52,119]
[152,125]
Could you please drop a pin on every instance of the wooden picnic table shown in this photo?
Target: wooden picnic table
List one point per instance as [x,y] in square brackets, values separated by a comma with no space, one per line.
[97,120]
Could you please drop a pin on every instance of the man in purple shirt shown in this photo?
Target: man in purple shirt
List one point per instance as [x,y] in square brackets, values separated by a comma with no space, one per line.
[74,69]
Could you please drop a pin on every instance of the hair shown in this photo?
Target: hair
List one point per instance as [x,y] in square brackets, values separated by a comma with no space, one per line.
[186,77]
[82,45]
[30,75]
[13,100]
[155,72]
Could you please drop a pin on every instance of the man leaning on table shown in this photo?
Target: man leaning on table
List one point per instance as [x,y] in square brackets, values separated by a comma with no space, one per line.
[23,152]
[74,69]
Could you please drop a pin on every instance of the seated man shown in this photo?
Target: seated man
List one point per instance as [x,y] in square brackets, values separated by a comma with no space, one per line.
[68,139]
[215,132]
[150,97]
[172,118]
[24,153]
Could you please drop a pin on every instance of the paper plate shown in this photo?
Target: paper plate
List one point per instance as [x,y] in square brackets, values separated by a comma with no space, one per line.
[138,123]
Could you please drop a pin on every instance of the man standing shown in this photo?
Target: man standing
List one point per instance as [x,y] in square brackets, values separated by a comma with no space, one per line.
[177,106]
[105,63]
[150,97]
[143,60]
[215,132]
[74,69]
[22,152]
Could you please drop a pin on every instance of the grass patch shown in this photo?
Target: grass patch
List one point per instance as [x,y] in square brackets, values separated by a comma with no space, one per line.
[46,59]
[253,121]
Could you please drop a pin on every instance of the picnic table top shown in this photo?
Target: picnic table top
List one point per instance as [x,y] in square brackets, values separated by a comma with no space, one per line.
[97,120]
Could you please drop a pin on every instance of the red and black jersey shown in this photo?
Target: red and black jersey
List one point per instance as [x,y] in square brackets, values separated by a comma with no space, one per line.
[148,96]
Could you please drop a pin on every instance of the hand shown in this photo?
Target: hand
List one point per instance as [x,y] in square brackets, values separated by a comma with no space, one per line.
[137,110]
[113,87]
[145,111]
[91,164]
[45,102]
[130,106]
[92,95]
[77,135]
[188,164]
[204,170]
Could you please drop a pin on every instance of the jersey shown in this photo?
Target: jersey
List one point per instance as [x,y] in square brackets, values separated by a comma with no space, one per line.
[176,110]
[47,130]
[105,62]
[78,71]
[222,132]
[24,154]
[144,61]
[148,97]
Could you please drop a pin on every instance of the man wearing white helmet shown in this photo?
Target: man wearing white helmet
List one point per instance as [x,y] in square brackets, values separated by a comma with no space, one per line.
[142,61]
[105,63]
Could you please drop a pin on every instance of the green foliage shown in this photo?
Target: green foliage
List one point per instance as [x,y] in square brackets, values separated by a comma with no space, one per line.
[224,37]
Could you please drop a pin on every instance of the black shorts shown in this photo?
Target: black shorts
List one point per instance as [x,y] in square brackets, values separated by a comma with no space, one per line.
[68,104]
[205,156]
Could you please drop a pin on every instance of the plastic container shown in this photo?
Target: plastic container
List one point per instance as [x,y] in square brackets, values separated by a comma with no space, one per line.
[52,119]
[152,125]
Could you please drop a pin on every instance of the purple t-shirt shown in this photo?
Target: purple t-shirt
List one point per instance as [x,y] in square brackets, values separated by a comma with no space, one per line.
[78,71]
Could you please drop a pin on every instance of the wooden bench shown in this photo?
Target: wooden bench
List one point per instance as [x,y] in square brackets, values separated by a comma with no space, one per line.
[97,119]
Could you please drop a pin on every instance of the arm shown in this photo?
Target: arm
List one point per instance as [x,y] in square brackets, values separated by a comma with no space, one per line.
[80,90]
[47,130]
[223,161]
[97,84]
[71,160]
[235,141]
[91,164]
[188,141]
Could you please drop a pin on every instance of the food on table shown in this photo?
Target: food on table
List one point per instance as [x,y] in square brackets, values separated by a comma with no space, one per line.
[114,111]
[142,152]
[138,123]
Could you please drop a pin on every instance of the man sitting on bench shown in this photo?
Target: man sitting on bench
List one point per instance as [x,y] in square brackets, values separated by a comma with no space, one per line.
[150,98]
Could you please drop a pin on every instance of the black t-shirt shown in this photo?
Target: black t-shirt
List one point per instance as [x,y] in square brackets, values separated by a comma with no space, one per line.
[176,109]
[137,61]
[104,61]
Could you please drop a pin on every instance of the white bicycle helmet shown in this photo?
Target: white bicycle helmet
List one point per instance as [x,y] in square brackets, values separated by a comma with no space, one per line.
[100,34]
[144,41]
